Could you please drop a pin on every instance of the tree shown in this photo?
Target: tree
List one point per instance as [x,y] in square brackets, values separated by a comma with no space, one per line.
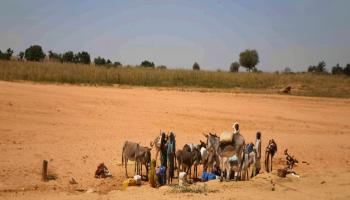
[196,66]
[347,70]
[9,53]
[147,63]
[287,70]
[319,68]
[99,61]
[68,56]
[6,55]
[117,64]
[108,62]
[21,55]
[55,56]
[337,69]
[234,67]
[82,57]
[161,67]
[249,59]
[34,53]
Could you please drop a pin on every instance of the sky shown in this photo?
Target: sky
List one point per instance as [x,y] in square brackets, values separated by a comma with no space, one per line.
[285,33]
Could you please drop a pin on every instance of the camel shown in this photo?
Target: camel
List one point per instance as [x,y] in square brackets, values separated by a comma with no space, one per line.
[270,151]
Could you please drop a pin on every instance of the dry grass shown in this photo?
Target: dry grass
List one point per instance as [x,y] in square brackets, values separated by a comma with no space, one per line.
[302,84]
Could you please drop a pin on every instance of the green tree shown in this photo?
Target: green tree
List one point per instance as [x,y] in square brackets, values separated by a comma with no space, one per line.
[287,70]
[55,56]
[99,61]
[337,69]
[234,67]
[68,56]
[117,64]
[21,55]
[82,57]
[319,68]
[34,53]
[6,55]
[347,70]
[162,67]
[196,66]
[249,59]
[147,63]
[108,62]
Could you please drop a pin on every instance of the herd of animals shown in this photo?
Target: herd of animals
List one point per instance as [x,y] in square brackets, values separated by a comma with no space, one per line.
[227,155]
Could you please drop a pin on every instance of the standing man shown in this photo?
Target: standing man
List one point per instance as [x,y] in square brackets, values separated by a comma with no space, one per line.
[258,151]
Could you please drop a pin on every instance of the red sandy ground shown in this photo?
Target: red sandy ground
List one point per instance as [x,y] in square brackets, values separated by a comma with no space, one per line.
[77,127]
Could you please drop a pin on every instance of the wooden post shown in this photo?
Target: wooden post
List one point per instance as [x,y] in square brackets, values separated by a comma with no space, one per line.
[44,172]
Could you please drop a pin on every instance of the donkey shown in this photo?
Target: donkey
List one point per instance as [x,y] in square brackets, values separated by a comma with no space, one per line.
[212,160]
[228,162]
[230,153]
[249,162]
[130,152]
[186,159]
[143,158]
[270,151]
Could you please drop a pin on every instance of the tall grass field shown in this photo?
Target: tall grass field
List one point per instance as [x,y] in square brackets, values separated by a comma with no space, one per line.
[302,84]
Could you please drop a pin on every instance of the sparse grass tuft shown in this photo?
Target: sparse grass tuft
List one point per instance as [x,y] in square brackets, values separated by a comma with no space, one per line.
[192,189]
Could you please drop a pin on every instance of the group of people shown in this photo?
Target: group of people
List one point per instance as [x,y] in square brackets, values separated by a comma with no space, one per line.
[250,156]
[158,174]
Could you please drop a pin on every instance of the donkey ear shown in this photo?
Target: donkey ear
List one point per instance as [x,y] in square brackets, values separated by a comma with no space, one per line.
[205,135]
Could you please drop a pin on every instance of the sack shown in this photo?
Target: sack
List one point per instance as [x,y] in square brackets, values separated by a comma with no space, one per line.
[182,178]
[206,176]
[129,182]
[226,137]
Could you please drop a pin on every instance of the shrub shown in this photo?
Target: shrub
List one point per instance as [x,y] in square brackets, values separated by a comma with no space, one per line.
[196,66]
[347,70]
[99,61]
[117,64]
[6,55]
[319,68]
[162,67]
[337,69]
[234,67]
[82,57]
[68,56]
[55,56]
[21,55]
[147,63]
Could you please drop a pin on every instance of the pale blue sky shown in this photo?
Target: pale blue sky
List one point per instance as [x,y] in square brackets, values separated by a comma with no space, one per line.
[178,33]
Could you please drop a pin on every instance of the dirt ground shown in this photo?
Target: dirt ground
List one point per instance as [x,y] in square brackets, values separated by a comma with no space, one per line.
[77,127]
